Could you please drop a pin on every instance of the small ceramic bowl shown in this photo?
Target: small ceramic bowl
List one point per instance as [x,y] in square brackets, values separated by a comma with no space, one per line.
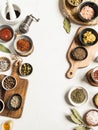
[25,69]
[6,33]
[4,13]
[20,47]
[88,37]
[74,2]
[86,9]
[70,96]
[14,102]
[94,74]
[5,64]
[9,82]
[2,105]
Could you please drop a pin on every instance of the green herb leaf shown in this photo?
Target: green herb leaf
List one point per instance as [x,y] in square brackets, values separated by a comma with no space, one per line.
[80,128]
[67,25]
[4,49]
[75,120]
[77,115]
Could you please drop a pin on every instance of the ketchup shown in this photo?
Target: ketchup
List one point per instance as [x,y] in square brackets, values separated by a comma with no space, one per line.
[6,34]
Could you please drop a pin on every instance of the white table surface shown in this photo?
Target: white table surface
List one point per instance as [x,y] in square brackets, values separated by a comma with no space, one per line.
[46,106]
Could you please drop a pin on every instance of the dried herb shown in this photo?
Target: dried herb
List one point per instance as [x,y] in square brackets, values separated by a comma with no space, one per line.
[78,96]
[82,128]
[77,115]
[4,49]
[76,118]
[67,25]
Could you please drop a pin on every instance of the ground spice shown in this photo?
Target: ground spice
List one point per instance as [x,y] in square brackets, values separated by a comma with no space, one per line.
[79,53]
[87,12]
[78,95]
[6,34]
[23,45]
[96,74]
[6,126]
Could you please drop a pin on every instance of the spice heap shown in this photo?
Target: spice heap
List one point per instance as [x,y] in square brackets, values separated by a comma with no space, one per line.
[75,2]
[7,125]
[79,53]
[87,12]
[26,69]
[92,118]
[15,101]
[6,34]
[9,82]
[88,37]
[23,45]
[78,95]
[4,64]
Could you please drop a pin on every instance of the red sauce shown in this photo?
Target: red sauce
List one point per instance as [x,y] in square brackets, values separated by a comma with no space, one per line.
[96,74]
[6,34]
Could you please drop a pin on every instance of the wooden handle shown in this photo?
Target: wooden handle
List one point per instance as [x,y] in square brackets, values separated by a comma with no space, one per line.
[71,72]
[15,68]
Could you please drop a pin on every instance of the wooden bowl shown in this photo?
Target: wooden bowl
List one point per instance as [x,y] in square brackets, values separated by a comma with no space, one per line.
[91,116]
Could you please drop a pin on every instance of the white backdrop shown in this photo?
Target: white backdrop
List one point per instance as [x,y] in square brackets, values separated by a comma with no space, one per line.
[46,106]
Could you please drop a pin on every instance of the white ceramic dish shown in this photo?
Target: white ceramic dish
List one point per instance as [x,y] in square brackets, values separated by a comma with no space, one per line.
[14,21]
[78,104]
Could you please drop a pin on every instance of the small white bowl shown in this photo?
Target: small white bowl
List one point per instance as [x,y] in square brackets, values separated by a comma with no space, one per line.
[77,104]
[23,53]
[92,74]
[10,82]
[4,12]
[2,105]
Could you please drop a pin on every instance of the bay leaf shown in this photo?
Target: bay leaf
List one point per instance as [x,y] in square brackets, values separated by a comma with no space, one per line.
[80,128]
[4,49]
[74,119]
[67,25]
[77,115]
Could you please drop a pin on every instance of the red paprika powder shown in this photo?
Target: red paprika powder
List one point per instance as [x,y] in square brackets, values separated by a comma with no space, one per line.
[23,45]
[6,34]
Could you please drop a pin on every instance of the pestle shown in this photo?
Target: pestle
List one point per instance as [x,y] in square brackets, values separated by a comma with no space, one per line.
[11,10]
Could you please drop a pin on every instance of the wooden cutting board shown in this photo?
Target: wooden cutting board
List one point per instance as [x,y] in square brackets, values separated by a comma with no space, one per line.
[72,13]
[21,88]
[74,65]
